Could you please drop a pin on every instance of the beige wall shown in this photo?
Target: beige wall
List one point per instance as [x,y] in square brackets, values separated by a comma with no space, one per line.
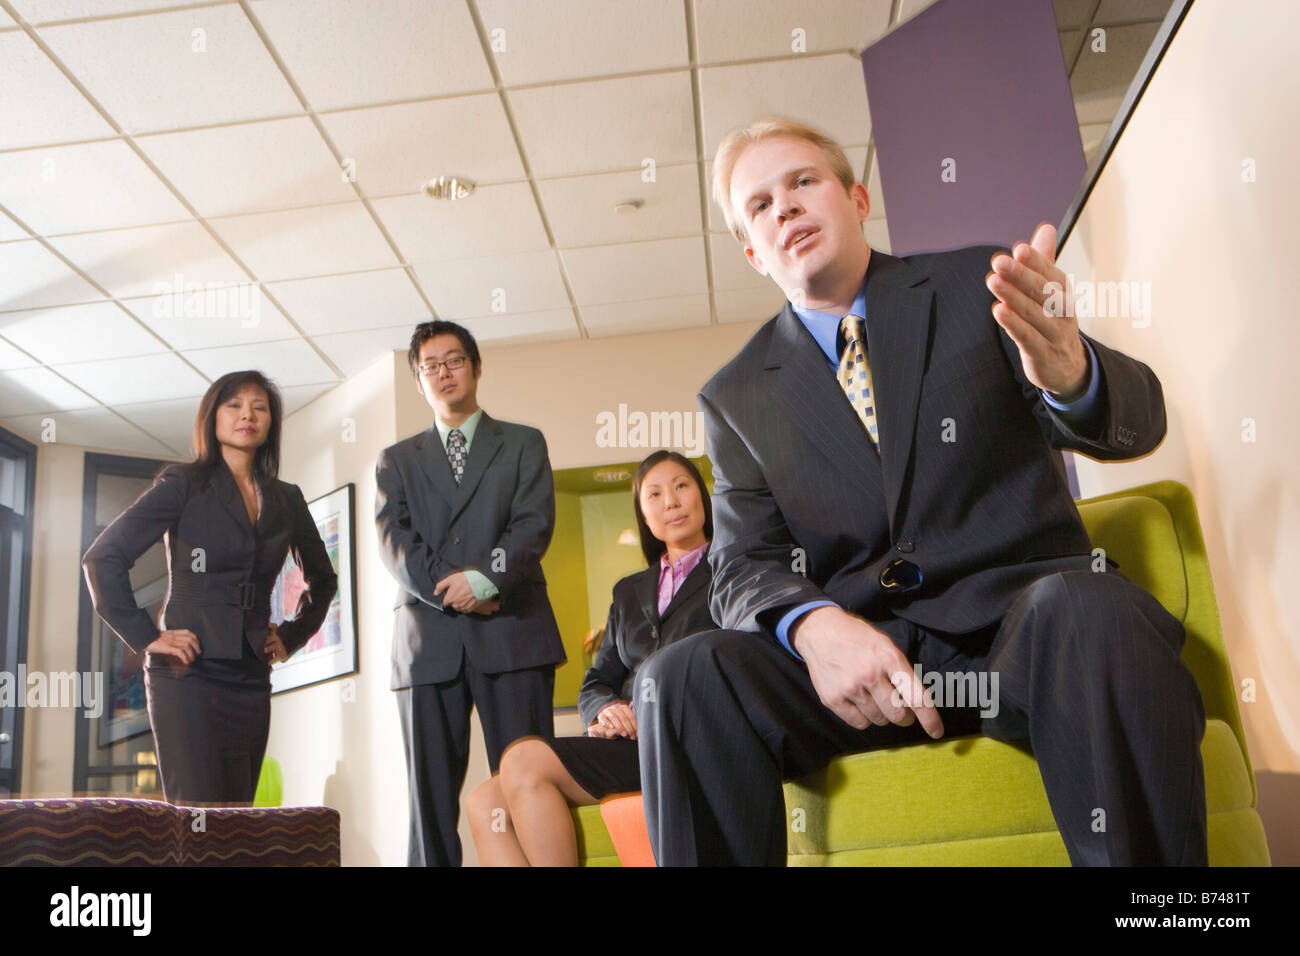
[48,744]
[1220,255]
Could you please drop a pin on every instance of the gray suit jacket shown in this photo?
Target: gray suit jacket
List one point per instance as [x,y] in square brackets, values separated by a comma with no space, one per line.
[967,501]
[498,521]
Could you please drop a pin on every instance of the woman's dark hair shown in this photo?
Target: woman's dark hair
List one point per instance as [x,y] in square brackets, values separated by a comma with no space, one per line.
[651,546]
[427,330]
[207,450]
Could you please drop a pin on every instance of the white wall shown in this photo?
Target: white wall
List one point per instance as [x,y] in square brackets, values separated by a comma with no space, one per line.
[1220,254]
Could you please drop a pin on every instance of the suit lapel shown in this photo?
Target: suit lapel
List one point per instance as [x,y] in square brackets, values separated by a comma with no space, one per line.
[803,381]
[698,578]
[898,332]
[223,482]
[433,459]
[647,593]
[487,445]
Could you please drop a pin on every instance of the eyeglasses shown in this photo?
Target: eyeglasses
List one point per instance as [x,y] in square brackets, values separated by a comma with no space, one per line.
[453,363]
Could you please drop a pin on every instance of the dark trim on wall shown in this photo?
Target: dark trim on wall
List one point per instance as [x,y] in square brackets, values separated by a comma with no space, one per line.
[1164,37]
[95,465]
[11,779]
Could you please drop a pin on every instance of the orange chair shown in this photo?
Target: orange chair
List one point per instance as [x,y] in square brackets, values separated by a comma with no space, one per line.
[624,818]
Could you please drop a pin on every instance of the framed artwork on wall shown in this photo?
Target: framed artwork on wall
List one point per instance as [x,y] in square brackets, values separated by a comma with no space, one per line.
[332,651]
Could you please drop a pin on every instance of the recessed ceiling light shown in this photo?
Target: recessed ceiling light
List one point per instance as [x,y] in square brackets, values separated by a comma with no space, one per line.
[611,475]
[449,188]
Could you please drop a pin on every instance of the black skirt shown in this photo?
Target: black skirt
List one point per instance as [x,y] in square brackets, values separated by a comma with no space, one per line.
[600,765]
[210,724]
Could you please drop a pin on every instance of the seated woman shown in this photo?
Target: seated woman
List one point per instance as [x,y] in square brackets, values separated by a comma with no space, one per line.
[520,817]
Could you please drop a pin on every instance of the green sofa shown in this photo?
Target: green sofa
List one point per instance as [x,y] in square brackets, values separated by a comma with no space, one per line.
[979,801]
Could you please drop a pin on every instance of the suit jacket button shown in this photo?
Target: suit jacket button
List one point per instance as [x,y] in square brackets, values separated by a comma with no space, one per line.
[654,632]
[455,540]
[906,547]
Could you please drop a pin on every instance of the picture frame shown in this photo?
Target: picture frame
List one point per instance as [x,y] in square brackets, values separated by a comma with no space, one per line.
[332,651]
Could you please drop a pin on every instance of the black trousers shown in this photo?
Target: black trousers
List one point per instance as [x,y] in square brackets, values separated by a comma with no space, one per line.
[1088,671]
[436,730]
[210,724]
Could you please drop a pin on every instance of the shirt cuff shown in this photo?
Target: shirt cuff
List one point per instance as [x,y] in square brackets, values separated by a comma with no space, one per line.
[783,626]
[1081,409]
[484,590]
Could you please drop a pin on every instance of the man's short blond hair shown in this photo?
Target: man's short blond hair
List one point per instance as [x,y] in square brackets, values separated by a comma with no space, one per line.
[739,140]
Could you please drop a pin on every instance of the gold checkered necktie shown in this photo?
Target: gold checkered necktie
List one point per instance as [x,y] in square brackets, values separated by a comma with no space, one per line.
[855,376]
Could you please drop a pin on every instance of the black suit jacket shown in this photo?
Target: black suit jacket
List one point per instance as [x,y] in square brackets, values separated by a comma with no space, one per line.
[804,508]
[221,568]
[635,630]
[498,520]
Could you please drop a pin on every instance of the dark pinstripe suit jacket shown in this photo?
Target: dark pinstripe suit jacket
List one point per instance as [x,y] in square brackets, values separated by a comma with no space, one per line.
[967,486]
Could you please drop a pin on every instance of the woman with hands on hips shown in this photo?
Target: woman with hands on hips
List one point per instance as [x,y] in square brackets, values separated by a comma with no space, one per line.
[228,523]
[520,817]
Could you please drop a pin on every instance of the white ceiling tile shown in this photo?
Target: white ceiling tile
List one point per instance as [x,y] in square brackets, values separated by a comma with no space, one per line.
[150,259]
[1127,11]
[1072,13]
[40,105]
[826,92]
[6,20]
[876,191]
[1100,80]
[731,270]
[606,125]
[633,318]
[361,300]
[32,276]
[11,356]
[1070,40]
[286,363]
[397,149]
[171,70]
[48,11]
[27,391]
[352,52]
[877,233]
[212,317]
[78,333]
[581,209]
[10,230]
[136,379]
[296,396]
[746,29]
[1091,136]
[518,329]
[170,422]
[354,352]
[494,285]
[251,167]
[639,270]
[84,187]
[93,428]
[749,305]
[856,155]
[494,221]
[567,39]
[303,242]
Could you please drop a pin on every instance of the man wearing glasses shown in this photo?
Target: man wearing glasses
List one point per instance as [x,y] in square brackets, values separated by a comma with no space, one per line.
[464,512]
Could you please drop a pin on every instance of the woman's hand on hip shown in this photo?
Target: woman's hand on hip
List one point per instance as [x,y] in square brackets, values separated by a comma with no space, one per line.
[181,644]
[274,646]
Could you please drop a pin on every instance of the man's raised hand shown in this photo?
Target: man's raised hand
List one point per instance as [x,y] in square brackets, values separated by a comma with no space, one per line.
[1029,286]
